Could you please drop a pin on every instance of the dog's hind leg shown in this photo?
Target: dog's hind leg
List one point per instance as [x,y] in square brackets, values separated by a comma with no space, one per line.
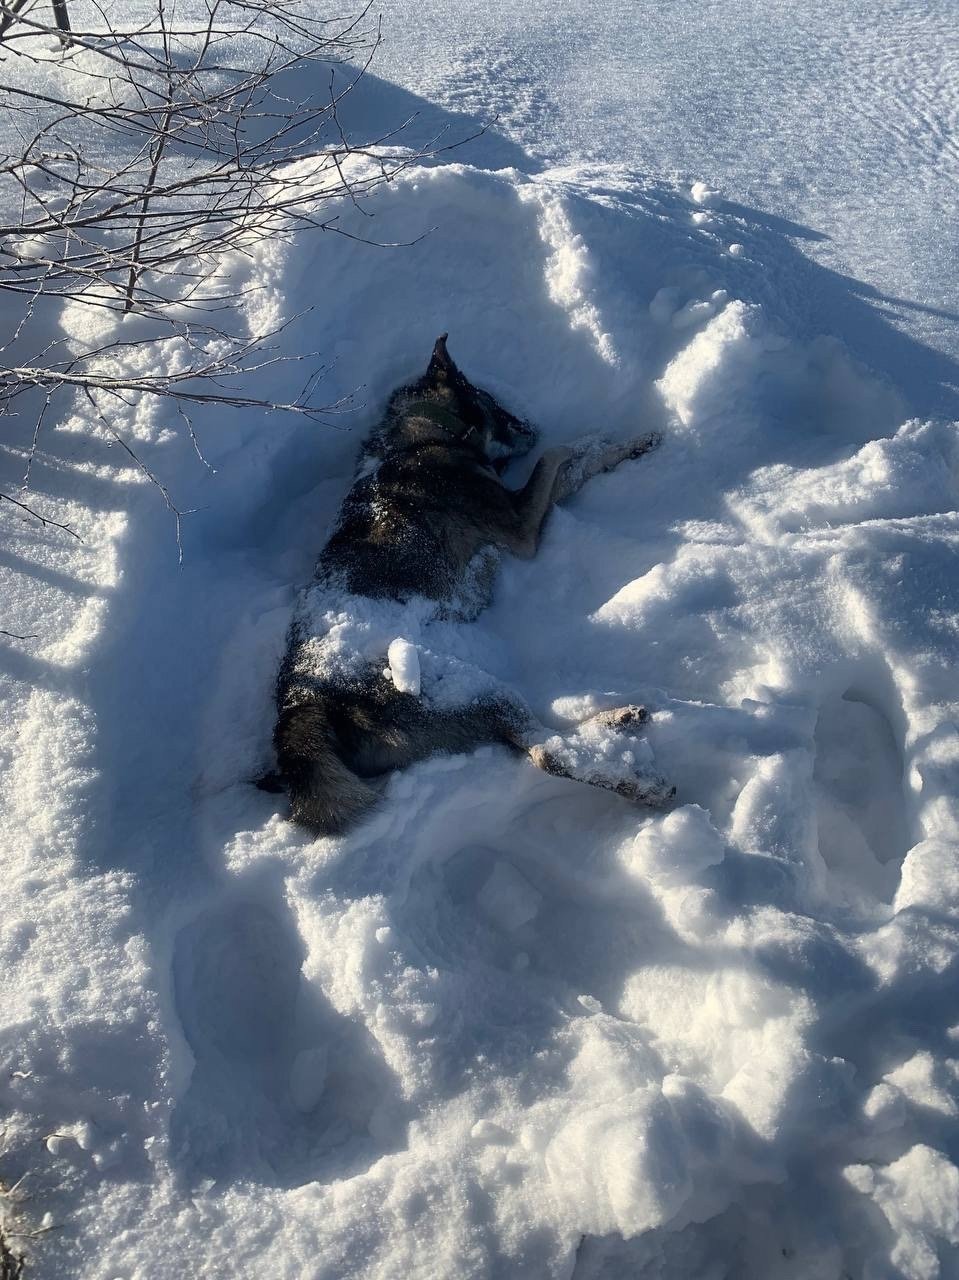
[594,753]
[332,752]
[406,729]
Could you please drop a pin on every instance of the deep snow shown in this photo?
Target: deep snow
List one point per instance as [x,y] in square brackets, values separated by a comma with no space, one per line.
[512,1027]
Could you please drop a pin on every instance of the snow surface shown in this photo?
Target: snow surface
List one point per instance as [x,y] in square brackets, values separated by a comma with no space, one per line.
[512,1026]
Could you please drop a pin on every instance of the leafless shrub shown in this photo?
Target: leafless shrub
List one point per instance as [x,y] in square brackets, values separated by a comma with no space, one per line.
[144,160]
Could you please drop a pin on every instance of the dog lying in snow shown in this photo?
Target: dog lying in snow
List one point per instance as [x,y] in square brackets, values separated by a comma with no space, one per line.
[416,545]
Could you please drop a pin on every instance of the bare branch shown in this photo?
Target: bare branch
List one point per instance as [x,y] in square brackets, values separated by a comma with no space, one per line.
[148,156]
[35,515]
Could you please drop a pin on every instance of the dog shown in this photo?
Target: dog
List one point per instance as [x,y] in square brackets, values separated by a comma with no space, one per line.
[415,550]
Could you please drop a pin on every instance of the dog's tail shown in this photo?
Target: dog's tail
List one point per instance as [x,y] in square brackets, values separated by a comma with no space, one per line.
[324,793]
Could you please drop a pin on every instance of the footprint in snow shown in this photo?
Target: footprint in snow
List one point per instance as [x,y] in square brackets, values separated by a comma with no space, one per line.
[284,1089]
[860,799]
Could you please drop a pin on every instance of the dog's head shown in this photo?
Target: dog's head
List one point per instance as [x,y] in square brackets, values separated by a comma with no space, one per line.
[495,433]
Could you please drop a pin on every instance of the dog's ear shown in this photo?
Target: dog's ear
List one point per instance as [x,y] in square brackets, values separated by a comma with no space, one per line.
[441,367]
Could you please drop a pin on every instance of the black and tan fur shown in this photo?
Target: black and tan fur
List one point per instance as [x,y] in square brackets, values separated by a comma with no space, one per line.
[424,518]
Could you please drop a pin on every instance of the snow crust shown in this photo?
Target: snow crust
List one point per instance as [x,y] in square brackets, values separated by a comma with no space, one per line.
[510,1026]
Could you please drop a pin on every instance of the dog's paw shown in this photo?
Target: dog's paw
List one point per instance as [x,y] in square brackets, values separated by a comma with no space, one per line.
[644,444]
[593,455]
[596,754]
[628,719]
[645,788]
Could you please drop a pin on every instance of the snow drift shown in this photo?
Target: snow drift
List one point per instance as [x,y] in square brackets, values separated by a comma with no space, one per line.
[507,1027]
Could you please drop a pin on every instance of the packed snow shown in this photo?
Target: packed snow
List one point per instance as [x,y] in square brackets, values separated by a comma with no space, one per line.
[511,1026]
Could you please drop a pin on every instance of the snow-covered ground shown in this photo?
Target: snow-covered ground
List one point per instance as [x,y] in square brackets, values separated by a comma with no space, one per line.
[511,1026]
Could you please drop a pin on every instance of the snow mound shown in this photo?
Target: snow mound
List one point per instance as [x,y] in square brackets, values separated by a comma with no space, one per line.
[508,1026]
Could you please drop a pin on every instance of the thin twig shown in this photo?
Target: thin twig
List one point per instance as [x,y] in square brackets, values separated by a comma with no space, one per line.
[145,470]
[35,515]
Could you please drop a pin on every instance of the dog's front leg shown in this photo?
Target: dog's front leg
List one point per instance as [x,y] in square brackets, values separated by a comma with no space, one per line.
[594,455]
[533,502]
[561,472]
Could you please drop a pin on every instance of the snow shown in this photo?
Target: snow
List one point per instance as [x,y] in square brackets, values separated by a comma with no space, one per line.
[508,899]
[404,665]
[510,1025]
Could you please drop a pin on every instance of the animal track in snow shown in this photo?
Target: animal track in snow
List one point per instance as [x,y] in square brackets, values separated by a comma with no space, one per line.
[284,1089]
[859,791]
